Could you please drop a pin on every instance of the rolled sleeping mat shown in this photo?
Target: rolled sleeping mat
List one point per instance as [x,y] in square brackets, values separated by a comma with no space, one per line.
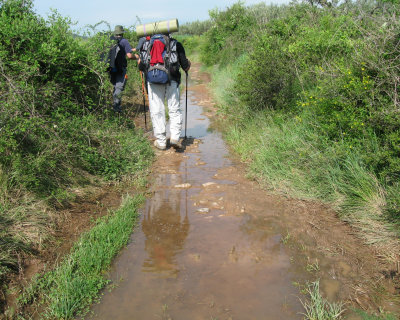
[163,27]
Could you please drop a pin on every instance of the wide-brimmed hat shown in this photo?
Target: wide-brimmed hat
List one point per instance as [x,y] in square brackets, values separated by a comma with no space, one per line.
[119,30]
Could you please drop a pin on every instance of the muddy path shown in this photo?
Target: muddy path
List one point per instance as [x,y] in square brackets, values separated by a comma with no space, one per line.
[213,245]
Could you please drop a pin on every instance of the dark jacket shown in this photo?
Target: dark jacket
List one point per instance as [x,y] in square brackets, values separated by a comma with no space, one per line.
[183,61]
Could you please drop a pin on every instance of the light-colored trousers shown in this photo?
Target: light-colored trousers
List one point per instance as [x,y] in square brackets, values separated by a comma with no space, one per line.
[157,95]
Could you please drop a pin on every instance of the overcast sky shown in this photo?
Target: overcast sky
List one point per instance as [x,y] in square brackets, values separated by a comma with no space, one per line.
[124,12]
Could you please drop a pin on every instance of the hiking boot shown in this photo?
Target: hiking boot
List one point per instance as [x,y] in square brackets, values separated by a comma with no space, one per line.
[176,144]
[159,146]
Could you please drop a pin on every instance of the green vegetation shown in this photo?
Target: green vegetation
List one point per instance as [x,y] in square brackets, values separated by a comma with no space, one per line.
[310,96]
[319,308]
[58,132]
[195,28]
[386,316]
[74,284]
[310,93]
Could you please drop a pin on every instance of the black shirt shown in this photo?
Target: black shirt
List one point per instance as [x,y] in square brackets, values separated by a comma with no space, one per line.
[183,61]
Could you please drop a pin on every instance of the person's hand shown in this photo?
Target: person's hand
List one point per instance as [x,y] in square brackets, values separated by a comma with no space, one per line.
[130,55]
[188,68]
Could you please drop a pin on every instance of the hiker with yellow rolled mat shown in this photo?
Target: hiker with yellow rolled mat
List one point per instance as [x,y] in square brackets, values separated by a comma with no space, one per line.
[161,58]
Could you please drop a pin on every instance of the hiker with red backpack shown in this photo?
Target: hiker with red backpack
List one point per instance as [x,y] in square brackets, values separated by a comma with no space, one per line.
[161,58]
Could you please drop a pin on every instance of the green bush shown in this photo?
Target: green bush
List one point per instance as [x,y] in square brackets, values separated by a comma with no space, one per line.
[334,72]
[228,36]
[56,125]
[195,28]
[54,88]
[266,80]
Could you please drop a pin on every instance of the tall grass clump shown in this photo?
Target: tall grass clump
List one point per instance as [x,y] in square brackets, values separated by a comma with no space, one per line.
[312,103]
[319,308]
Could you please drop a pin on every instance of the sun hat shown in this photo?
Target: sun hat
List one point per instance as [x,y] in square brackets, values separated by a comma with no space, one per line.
[119,30]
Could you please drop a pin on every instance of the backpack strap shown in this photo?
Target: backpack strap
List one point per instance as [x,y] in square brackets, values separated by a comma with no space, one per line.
[112,56]
[147,54]
[173,58]
[167,56]
[143,55]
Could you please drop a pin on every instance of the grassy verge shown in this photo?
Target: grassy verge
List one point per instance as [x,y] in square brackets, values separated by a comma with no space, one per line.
[75,282]
[60,141]
[58,134]
[318,308]
[300,90]
[307,110]
[85,151]
[110,151]
[286,154]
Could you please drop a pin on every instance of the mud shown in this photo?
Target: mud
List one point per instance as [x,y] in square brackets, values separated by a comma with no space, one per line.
[213,245]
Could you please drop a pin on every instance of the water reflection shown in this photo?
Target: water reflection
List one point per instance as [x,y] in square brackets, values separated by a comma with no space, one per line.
[165,229]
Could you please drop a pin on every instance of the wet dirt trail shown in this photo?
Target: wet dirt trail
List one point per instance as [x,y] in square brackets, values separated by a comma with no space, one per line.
[213,245]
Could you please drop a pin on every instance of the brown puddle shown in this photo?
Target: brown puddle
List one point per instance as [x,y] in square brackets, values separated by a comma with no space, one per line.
[213,245]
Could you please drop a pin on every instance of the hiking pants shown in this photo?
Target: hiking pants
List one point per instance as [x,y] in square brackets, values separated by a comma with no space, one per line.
[157,94]
[118,80]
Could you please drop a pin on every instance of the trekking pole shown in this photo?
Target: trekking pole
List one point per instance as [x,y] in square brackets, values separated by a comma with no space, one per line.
[186,103]
[144,101]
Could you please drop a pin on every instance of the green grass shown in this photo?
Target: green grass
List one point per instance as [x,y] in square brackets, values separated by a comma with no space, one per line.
[318,308]
[287,154]
[320,129]
[75,282]
[60,140]
[385,316]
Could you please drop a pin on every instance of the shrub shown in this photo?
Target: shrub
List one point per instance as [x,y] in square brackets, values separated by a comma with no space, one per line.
[227,37]
[266,80]
[49,77]
[334,69]
[195,28]
[55,126]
